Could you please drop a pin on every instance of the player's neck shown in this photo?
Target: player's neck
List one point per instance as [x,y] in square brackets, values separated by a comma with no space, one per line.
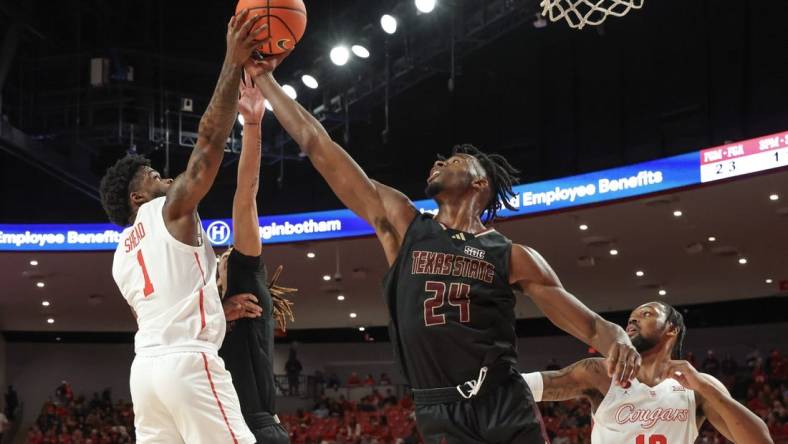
[460,214]
[654,364]
[133,217]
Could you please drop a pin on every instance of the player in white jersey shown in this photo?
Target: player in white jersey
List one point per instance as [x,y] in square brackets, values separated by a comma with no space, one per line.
[167,274]
[666,403]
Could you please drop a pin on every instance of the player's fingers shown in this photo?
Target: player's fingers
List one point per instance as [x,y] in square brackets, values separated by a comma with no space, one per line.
[635,359]
[250,297]
[631,368]
[621,370]
[245,29]
[612,360]
[241,17]
[256,32]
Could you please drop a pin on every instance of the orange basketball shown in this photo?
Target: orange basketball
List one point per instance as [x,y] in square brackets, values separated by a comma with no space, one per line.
[286,20]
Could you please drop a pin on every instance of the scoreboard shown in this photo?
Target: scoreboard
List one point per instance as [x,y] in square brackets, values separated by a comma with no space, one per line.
[747,157]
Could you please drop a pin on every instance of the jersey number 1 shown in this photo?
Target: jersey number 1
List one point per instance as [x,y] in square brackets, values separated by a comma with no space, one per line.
[458,297]
[148,284]
[653,439]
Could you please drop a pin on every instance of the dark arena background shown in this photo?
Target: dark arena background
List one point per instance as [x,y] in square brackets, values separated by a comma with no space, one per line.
[653,151]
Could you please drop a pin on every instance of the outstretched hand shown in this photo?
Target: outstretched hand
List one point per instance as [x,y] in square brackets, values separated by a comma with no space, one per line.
[251,103]
[241,41]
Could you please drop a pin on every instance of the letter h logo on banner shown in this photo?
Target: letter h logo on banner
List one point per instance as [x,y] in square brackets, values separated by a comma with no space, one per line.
[218,232]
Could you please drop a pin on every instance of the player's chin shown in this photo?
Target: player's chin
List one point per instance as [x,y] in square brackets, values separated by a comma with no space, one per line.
[433,188]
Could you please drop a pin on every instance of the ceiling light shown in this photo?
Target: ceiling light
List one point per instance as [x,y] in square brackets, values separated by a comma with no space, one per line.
[360,51]
[425,6]
[678,213]
[663,292]
[50,320]
[240,119]
[583,227]
[34,263]
[614,252]
[639,273]
[743,260]
[309,81]
[340,298]
[353,315]
[388,23]
[712,239]
[40,284]
[45,303]
[290,91]
[361,329]
[769,281]
[310,254]
[326,277]
[339,55]
[774,196]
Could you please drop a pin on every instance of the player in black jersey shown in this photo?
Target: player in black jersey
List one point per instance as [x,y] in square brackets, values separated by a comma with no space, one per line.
[248,303]
[450,286]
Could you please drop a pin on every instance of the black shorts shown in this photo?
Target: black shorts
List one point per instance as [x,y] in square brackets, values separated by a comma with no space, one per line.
[503,414]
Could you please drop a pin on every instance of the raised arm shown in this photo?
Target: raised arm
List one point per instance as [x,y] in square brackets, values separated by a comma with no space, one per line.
[583,379]
[246,225]
[715,403]
[538,280]
[190,187]
[386,209]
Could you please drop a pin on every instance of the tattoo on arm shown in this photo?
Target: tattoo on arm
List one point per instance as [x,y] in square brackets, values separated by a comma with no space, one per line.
[573,381]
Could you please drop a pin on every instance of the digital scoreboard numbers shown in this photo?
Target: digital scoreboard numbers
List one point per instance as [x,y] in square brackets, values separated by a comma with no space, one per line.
[750,156]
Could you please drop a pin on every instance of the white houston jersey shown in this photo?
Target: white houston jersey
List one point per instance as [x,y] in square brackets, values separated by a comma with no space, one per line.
[663,414]
[170,285]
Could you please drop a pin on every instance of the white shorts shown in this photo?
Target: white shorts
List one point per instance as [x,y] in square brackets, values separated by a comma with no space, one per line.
[186,397]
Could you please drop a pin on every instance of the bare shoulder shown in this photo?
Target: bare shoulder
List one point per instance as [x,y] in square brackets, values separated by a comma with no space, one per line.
[528,266]
[393,221]
[699,400]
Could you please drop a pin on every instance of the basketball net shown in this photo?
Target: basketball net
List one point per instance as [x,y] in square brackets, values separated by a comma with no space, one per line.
[579,13]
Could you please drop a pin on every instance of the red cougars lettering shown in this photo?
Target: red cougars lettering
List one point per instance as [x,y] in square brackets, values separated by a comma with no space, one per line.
[648,418]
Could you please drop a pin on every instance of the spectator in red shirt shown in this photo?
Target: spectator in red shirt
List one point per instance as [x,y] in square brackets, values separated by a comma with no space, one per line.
[353,380]
[370,381]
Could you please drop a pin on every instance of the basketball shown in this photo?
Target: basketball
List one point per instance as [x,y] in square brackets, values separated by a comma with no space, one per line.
[286,20]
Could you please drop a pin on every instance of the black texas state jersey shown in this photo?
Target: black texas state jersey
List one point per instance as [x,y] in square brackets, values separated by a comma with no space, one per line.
[451,305]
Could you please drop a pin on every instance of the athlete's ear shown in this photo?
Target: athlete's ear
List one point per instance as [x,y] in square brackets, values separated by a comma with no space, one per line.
[137,198]
[672,330]
[480,183]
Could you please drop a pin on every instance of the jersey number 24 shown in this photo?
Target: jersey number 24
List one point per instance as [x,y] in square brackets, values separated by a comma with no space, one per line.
[457,296]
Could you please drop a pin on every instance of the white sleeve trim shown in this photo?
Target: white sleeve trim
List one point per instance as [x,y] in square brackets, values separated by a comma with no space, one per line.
[536,384]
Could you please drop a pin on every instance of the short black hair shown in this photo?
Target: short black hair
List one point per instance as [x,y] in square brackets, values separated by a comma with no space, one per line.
[501,174]
[676,319]
[116,185]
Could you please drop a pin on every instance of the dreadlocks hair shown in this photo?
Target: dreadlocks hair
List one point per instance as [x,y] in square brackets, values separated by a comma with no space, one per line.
[283,308]
[116,185]
[676,319]
[501,175]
